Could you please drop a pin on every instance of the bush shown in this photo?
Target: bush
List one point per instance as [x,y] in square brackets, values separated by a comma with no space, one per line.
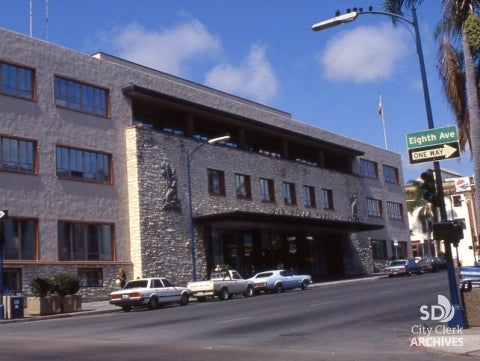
[41,286]
[65,284]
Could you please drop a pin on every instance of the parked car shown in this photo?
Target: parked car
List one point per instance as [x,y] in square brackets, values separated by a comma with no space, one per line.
[279,281]
[149,292]
[432,264]
[470,274]
[401,267]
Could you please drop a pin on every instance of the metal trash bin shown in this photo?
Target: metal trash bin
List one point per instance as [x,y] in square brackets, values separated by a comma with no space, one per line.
[470,295]
[14,304]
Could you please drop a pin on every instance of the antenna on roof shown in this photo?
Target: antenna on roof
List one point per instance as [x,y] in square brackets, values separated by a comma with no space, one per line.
[31,16]
[46,20]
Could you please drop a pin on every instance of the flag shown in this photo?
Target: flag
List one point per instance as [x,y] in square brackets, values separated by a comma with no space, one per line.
[380,109]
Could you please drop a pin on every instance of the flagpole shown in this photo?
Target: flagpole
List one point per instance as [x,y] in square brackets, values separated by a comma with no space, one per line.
[380,113]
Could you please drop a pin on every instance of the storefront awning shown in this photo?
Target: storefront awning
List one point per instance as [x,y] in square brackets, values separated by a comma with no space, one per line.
[287,220]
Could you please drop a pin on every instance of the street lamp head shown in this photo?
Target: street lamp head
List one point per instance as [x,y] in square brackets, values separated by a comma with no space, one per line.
[218,139]
[337,20]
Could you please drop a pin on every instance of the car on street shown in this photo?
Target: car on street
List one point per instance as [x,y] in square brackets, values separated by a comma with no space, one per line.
[149,292]
[470,274]
[432,264]
[402,267]
[279,281]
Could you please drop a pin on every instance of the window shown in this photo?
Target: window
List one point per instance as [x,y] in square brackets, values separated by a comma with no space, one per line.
[18,155]
[82,97]
[12,279]
[309,196]
[395,210]
[216,182]
[242,186]
[266,190]
[20,239]
[16,81]
[327,199]
[90,277]
[289,196]
[390,174]
[368,169]
[83,164]
[85,241]
[374,207]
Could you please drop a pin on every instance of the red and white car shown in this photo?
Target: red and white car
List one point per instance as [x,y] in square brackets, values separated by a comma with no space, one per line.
[149,292]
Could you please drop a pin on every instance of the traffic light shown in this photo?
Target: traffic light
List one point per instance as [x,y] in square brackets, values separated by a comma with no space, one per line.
[428,187]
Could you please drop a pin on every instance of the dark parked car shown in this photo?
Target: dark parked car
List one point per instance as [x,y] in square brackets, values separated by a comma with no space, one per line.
[433,264]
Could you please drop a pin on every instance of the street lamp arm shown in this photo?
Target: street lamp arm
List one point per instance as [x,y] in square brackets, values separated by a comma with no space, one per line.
[210,141]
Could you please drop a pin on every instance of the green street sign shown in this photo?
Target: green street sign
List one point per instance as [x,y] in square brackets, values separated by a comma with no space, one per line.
[430,137]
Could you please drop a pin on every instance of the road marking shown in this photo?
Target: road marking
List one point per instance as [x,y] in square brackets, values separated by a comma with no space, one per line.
[232,320]
[321,304]
[385,292]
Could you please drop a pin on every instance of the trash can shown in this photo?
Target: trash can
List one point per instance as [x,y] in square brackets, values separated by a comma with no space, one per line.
[14,305]
[470,294]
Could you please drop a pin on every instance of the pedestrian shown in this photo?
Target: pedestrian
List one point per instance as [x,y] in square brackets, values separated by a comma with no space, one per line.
[121,278]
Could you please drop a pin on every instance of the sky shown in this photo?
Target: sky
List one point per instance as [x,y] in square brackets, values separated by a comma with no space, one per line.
[265,51]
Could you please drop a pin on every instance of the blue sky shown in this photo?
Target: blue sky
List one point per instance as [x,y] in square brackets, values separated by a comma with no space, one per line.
[265,51]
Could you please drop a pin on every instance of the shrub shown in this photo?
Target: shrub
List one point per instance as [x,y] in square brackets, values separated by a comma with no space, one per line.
[65,284]
[41,286]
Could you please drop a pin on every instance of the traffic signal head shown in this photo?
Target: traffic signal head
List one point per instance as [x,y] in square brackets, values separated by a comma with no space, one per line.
[428,187]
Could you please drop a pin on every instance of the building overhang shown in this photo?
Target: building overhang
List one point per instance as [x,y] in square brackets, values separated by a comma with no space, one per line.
[283,220]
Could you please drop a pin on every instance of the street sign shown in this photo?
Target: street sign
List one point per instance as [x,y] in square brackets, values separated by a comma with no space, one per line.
[434,152]
[429,137]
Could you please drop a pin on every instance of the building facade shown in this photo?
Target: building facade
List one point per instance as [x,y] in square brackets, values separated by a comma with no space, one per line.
[96,157]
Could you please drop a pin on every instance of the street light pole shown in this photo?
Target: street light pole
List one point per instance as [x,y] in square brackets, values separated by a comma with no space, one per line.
[188,156]
[3,217]
[459,317]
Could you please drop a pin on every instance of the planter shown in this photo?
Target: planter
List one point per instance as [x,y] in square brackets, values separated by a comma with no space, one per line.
[42,306]
[72,303]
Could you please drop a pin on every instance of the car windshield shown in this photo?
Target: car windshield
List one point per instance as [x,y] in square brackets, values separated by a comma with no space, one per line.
[397,263]
[137,284]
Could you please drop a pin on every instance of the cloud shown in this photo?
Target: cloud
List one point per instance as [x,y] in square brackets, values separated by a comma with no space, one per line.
[365,54]
[254,78]
[172,50]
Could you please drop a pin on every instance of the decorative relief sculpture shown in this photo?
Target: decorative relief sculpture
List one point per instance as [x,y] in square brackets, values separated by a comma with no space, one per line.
[354,207]
[170,200]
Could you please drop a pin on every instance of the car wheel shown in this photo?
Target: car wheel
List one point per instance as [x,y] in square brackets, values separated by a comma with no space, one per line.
[304,285]
[126,308]
[223,294]
[153,303]
[249,292]
[278,288]
[184,299]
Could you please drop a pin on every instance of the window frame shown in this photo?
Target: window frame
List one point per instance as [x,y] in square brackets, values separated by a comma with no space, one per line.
[368,169]
[267,190]
[309,197]
[85,276]
[289,195]
[17,227]
[395,211]
[243,187]
[81,96]
[374,208]
[327,199]
[390,174]
[19,92]
[19,153]
[216,182]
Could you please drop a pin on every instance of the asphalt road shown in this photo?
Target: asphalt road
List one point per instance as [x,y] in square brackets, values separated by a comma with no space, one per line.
[367,320]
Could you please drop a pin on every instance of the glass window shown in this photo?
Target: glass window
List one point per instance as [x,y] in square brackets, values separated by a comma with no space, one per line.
[18,155]
[20,239]
[90,277]
[242,186]
[309,196]
[85,241]
[266,190]
[368,169]
[289,197]
[216,182]
[82,97]
[374,207]
[83,164]
[327,199]
[390,174]
[17,81]
[395,210]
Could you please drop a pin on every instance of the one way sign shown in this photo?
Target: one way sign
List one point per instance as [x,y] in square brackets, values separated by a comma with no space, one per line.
[434,152]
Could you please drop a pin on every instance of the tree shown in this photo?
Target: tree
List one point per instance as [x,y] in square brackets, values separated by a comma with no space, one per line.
[458,33]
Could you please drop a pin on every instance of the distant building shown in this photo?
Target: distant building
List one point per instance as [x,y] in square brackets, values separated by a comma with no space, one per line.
[93,171]
[460,206]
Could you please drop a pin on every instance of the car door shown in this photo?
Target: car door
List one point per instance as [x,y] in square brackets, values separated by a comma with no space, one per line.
[158,288]
[237,285]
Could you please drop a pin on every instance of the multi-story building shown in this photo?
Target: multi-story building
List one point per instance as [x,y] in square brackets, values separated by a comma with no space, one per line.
[96,155]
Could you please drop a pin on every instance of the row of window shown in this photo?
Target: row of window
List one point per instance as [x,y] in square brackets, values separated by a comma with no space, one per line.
[243,190]
[76,241]
[375,209]
[369,169]
[19,81]
[20,155]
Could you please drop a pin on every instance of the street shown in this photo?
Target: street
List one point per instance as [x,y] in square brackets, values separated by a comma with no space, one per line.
[362,320]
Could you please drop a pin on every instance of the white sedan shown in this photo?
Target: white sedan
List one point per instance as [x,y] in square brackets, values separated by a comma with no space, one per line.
[149,292]
[279,281]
